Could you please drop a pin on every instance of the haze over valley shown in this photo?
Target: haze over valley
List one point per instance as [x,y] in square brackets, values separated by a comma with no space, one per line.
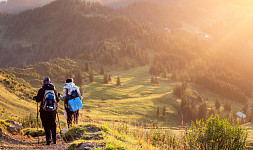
[147,70]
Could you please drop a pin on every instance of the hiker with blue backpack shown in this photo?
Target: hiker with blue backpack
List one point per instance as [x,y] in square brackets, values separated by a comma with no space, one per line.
[49,99]
[72,102]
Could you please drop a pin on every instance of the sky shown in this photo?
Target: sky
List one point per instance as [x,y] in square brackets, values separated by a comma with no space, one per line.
[2,0]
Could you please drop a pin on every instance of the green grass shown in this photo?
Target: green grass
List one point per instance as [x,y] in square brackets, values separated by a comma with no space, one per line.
[33,132]
[136,99]
[14,105]
[211,97]
[119,135]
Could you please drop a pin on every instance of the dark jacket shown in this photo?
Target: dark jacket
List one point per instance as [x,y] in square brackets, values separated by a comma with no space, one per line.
[41,94]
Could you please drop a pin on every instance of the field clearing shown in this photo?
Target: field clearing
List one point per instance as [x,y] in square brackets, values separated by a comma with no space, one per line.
[136,99]
[134,102]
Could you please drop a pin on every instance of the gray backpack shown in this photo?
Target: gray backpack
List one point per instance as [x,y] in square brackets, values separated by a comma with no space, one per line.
[49,101]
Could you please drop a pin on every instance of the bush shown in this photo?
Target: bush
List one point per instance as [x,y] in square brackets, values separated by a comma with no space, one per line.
[164,139]
[74,133]
[33,132]
[30,121]
[215,134]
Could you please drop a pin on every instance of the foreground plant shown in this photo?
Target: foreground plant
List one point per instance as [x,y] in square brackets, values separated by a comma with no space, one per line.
[215,133]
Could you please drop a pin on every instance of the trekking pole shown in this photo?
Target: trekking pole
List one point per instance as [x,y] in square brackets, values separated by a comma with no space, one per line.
[59,122]
[38,122]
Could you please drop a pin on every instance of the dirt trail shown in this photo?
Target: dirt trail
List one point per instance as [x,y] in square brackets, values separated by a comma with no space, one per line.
[9,141]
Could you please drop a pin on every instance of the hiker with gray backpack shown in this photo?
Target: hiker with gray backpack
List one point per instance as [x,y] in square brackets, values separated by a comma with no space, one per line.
[49,99]
[72,102]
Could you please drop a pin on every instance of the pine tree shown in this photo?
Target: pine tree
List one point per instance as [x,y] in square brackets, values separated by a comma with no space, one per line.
[105,79]
[102,71]
[227,107]
[183,104]
[152,70]
[109,78]
[156,81]
[217,104]
[158,111]
[184,86]
[87,66]
[164,111]
[78,78]
[152,79]
[118,83]
[202,114]
[91,57]
[91,76]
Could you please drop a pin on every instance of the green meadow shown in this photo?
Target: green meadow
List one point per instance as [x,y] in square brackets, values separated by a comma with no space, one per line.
[136,100]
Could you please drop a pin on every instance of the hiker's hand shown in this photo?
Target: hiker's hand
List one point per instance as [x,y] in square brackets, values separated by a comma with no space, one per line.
[34,98]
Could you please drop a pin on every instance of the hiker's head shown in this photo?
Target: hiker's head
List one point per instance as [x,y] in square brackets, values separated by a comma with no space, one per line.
[46,80]
[69,80]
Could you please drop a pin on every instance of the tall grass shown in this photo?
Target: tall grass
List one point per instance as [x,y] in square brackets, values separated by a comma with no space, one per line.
[30,121]
[213,133]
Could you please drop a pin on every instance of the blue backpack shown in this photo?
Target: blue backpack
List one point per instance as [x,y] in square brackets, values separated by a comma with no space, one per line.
[49,101]
[74,101]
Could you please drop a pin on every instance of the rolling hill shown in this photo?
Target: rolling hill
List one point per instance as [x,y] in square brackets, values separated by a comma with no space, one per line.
[15,97]
[60,39]
[168,77]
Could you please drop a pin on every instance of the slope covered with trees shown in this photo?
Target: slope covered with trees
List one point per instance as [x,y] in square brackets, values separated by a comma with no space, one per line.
[125,38]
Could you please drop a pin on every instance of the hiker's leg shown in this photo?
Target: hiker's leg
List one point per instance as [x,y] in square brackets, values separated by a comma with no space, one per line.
[76,115]
[69,117]
[46,124]
[53,125]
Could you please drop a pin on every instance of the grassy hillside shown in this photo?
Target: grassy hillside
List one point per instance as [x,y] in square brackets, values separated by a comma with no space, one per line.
[129,109]
[33,36]
[15,97]
[136,100]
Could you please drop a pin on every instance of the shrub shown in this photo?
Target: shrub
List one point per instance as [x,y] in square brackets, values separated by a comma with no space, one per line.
[73,133]
[164,139]
[118,83]
[217,104]
[33,132]
[215,134]
[30,121]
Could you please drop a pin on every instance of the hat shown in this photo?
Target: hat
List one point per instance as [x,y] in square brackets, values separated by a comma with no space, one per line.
[69,80]
[46,80]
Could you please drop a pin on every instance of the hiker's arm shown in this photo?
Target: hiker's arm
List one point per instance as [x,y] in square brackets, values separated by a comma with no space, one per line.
[56,95]
[64,94]
[62,97]
[40,96]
